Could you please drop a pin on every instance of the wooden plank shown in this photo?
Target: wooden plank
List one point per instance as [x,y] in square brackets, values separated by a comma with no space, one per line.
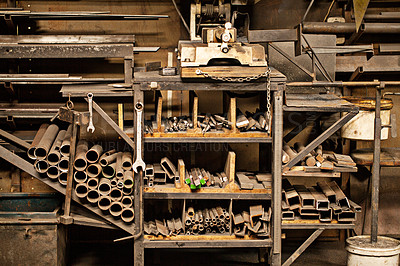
[181,171]
[230,167]
[159,104]
[389,157]
[195,108]
[232,114]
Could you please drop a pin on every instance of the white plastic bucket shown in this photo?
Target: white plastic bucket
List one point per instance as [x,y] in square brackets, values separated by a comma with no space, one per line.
[361,252]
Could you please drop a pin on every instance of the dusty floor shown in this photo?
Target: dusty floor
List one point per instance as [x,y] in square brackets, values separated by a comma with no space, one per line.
[106,253]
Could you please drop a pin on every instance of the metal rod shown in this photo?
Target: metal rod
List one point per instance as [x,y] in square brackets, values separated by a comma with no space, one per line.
[303,247]
[14,140]
[68,190]
[376,166]
[349,28]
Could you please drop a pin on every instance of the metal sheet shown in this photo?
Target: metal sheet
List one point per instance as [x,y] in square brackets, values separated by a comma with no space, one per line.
[292,72]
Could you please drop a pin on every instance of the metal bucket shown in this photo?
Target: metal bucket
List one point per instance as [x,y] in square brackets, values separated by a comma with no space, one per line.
[360,251]
[361,127]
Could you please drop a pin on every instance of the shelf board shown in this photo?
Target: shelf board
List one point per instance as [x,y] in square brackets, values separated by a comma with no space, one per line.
[232,191]
[204,241]
[208,137]
[311,174]
[315,224]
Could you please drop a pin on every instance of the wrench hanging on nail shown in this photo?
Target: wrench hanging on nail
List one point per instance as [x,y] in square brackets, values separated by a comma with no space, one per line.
[138,141]
[90,101]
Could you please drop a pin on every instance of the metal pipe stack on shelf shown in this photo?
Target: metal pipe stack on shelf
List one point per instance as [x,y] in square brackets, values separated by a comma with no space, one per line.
[324,202]
[255,222]
[207,221]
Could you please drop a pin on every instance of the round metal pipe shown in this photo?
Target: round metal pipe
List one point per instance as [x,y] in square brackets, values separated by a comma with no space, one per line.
[349,28]
[80,162]
[343,84]
[127,161]
[127,201]
[81,190]
[128,179]
[127,215]
[104,203]
[109,170]
[93,154]
[114,182]
[36,140]
[93,170]
[116,208]
[66,143]
[127,191]
[54,154]
[104,186]
[119,171]
[62,178]
[116,194]
[53,172]
[80,176]
[63,164]
[93,183]
[93,196]
[45,143]
[108,159]
[41,166]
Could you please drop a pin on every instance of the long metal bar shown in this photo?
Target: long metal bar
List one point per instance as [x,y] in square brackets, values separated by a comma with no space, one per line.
[65,50]
[300,127]
[342,84]
[138,247]
[28,168]
[111,122]
[349,28]
[19,143]
[303,247]
[79,15]
[70,174]
[321,138]
[277,135]
[376,166]
[64,39]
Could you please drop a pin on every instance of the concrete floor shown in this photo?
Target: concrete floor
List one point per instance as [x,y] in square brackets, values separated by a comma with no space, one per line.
[319,253]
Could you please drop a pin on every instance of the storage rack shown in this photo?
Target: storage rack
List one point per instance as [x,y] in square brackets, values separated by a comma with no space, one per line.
[147,81]
[315,104]
[144,81]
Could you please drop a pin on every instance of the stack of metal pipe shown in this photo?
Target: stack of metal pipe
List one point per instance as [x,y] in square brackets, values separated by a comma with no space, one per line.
[255,222]
[208,122]
[323,202]
[252,121]
[50,150]
[105,179]
[206,221]
[196,178]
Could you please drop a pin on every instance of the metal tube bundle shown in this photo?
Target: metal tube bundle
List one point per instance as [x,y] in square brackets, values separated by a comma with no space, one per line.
[211,220]
[108,178]
[323,202]
[101,178]
[47,148]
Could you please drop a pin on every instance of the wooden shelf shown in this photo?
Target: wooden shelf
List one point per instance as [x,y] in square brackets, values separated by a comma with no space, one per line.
[232,191]
[204,241]
[311,174]
[208,137]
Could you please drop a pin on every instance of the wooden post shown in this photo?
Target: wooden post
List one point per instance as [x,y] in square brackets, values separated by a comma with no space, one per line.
[181,169]
[232,113]
[159,101]
[230,167]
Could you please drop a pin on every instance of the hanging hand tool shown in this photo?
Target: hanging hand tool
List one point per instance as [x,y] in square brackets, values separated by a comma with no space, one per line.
[90,101]
[139,161]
